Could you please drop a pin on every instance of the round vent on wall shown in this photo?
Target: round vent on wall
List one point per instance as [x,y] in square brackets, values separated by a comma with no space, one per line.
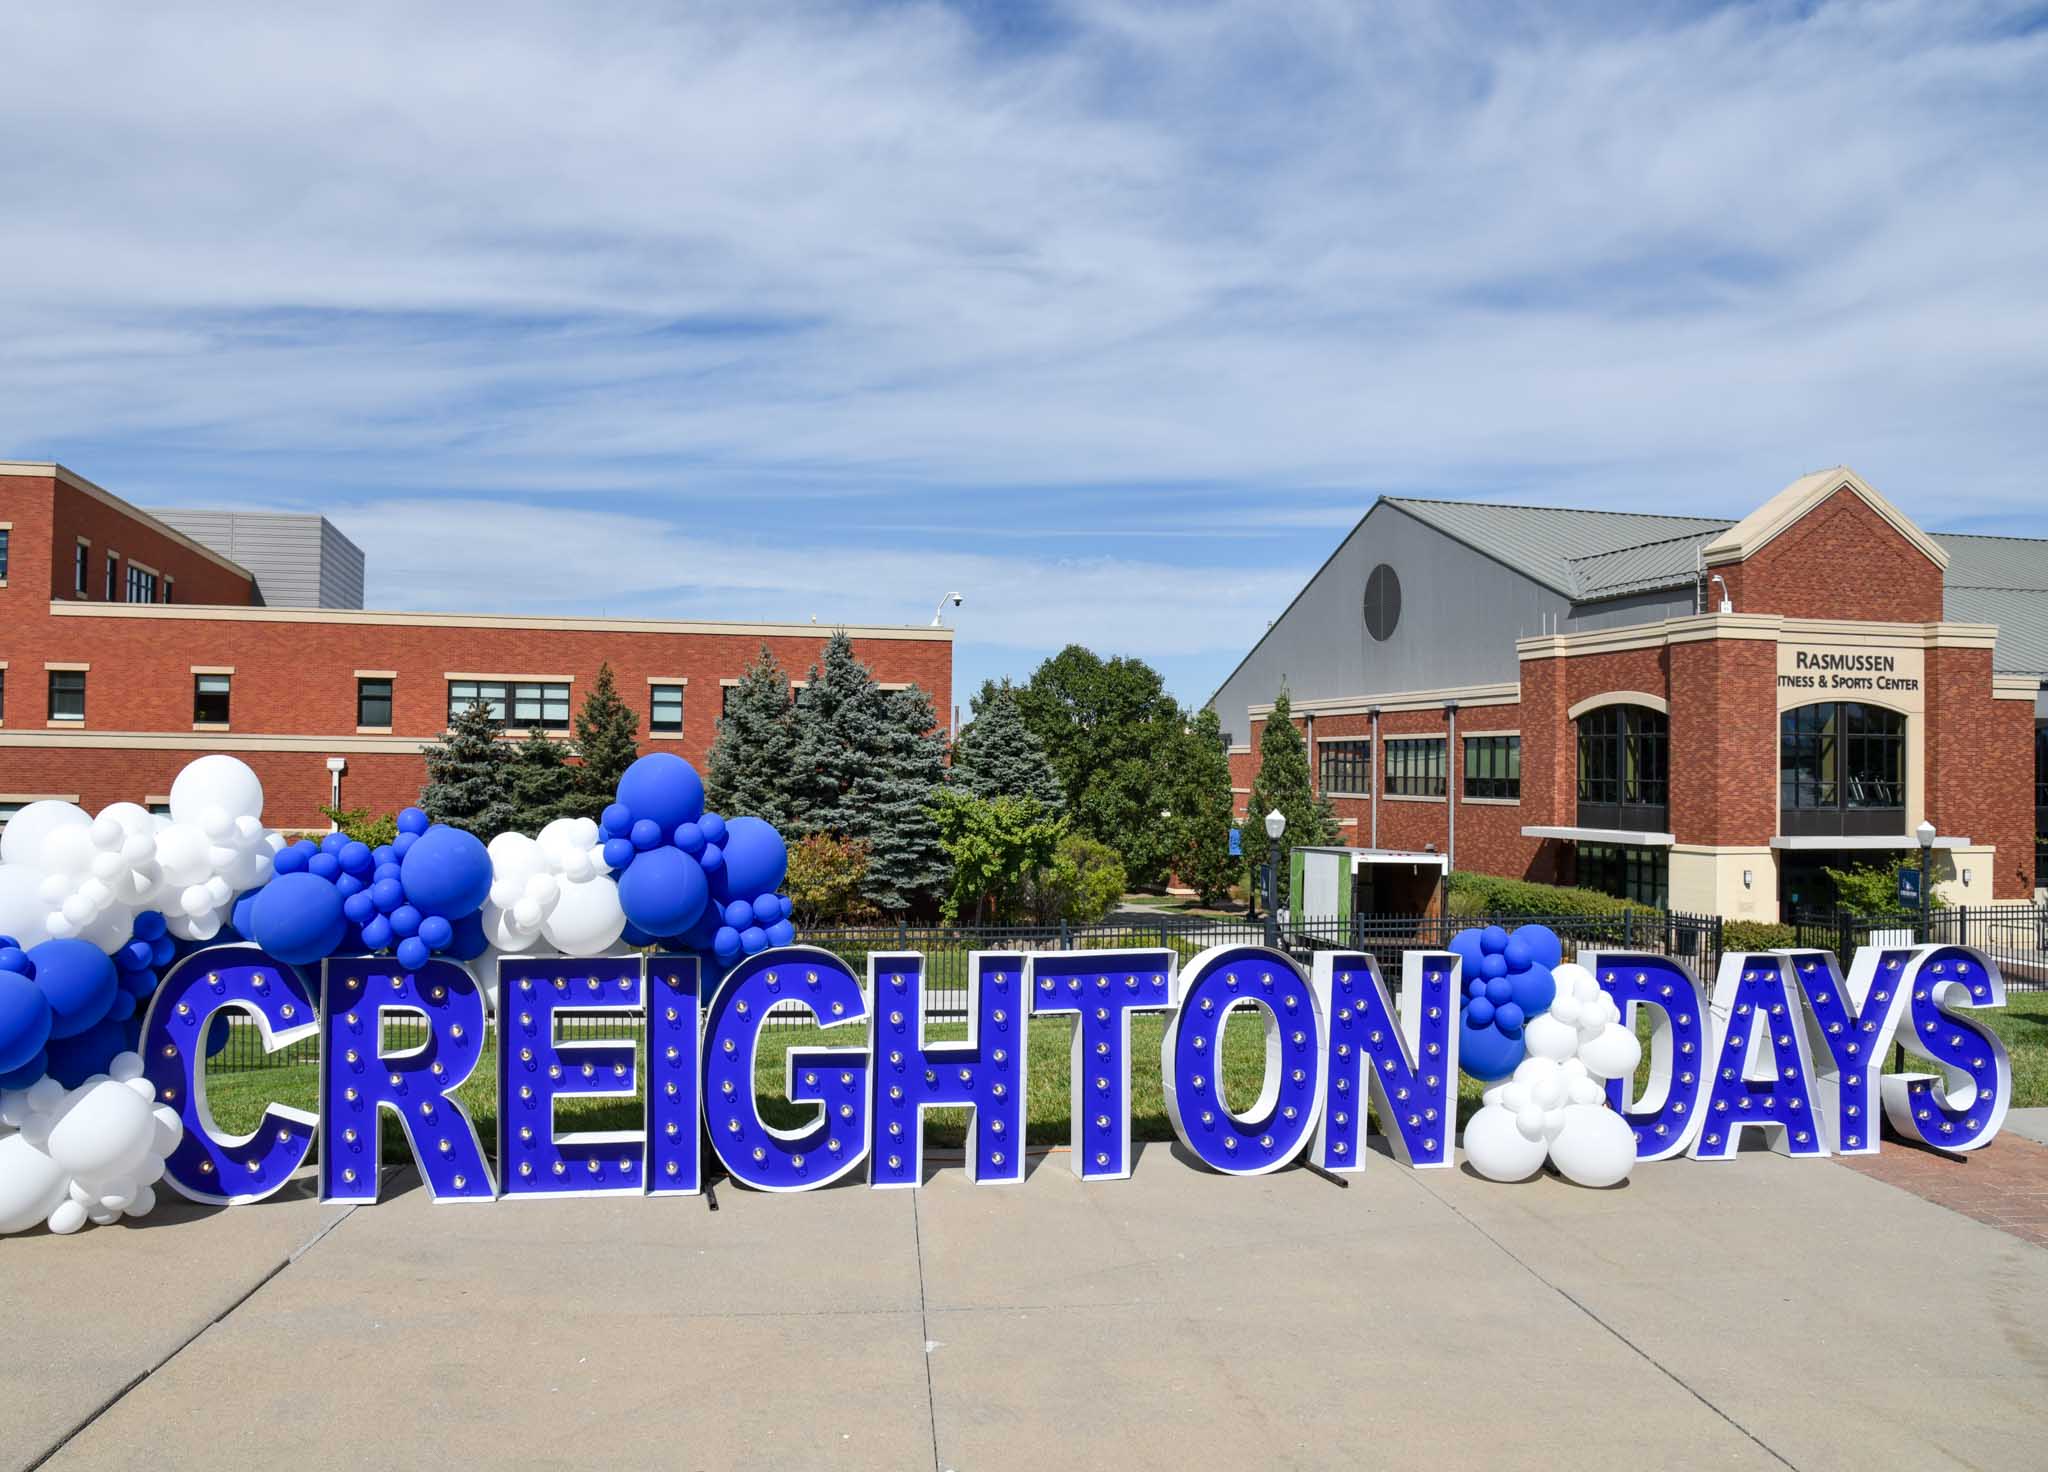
[1382,603]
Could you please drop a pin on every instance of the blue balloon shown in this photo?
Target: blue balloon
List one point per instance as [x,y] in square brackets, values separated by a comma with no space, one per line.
[767,908]
[218,1034]
[355,858]
[377,934]
[77,980]
[334,843]
[132,957]
[712,827]
[1479,1012]
[323,866]
[1533,989]
[753,940]
[700,937]
[617,821]
[150,926]
[1493,940]
[243,913]
[386,868]
[1491,966]
[1487,1054]
[290,860]
[663,891]
[347,884]
[1545,949]
[712,860]
[738,914]
[28,1073]
[138,984]
[1499,990]
[75,1059]
[1465,946]
[646,834]
[436,932]
[755,858]
[633,935]
[24,1019]
[664,787]
[447,872]
[726,944]
[298,919]
[163,951]
[14,958]
[468,941]
[401,844]
[405,921]
[1508,1018]
[689,837]
[122,1007]
[618,852]
[413,821]
[413,953]
[782,933]
[1515,953]
[387,894]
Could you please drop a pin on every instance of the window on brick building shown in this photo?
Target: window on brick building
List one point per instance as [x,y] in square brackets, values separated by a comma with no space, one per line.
[1639,874]
[1624,768]
[514,704]
[1344,767]
[2040,803]
[4,537]
[81,561]
[1415,766]
[113,576]
[3,696]
[665,709]
[141,585]
[169,583]
[1841,770]
[373,702]
[210,699]
[1493,766]
[67,695]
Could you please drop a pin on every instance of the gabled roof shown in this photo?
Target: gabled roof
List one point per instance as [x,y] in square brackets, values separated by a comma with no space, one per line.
[1749,535]
[1544,542]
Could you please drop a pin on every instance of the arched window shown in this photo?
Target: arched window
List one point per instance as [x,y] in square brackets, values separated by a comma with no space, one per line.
[1841,770]
[1624,768]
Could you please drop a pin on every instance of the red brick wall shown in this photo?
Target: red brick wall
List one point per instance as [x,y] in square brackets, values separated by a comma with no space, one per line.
[75,514]
[1724,741]
[1841,560]
[1980,762]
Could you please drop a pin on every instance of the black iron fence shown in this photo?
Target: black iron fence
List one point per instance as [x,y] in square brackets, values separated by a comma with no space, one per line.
[2014,936]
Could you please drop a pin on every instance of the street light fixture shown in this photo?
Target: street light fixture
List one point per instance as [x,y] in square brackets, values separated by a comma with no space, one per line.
[938,617]
[1925,836]
[1276,824]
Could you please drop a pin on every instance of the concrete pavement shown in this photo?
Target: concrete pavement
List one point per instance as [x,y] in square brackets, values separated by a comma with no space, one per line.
[1702,1315]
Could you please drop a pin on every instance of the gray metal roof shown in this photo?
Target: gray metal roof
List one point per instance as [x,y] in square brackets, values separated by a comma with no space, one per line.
[1589,555]
[1543,542]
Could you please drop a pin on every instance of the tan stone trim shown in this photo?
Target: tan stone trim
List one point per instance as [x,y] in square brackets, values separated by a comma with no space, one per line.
[79,483]
[1336,792]
[211,726]
[65,723]
[1241,791]
[373,730]
[376,674]
[38,797]
[362,618]
[1490,802]
[3,664]
[58,664]
[1244,750]
[67,734]
[1766,627]
[728,684]
[2003,687]
[512,679]
[157,799]
[1783,511]
[1406,797]
[213,669]
[1509,693]
[1619,697]
[1468,735]
[668,679]
[1627,837]
[1754,850]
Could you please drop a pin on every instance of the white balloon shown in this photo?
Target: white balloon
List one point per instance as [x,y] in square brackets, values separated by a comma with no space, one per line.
[1550,1092]
[67,1218]
[503,934]
[68,849]
[1613,1052]
[1596,1147]
[1549,1038]
[23,911]
[1571,976]
[22,840]
[183,853]
[219,782]
[529,916]
[31,1185]
[1497,1148]
[587,920]
[104,1132]
[1529,1123]
[543,890]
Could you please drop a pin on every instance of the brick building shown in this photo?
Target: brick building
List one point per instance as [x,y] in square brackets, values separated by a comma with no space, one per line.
[1686,711]
[128,647]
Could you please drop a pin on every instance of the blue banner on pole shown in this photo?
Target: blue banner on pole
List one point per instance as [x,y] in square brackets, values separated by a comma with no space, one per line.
[1909,886]
[1237,843]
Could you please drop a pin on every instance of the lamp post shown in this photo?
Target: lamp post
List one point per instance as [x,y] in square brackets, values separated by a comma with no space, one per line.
[1925,834]
[1276,824]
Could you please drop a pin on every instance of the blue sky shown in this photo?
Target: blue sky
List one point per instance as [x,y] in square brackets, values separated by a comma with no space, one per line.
[1112,315]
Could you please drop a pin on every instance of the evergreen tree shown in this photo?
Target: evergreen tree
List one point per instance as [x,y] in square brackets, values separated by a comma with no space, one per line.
[1204,810]
[538,780]
[866,765]
[997,756]
[606,729]
[466,776]
[1282,782]
[753,759]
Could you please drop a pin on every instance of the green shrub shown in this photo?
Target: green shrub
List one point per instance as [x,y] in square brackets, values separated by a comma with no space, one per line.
[1081,885]
[824,881]
[1756,935]
[1872,890]
[1491,894]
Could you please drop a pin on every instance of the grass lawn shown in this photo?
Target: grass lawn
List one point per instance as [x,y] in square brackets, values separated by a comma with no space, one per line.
[1182,904]
[238,1096]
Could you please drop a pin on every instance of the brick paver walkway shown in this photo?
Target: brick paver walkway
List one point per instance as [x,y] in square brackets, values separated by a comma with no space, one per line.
[2004,1185]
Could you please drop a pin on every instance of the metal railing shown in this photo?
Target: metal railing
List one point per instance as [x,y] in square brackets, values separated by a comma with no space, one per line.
[2015,936]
